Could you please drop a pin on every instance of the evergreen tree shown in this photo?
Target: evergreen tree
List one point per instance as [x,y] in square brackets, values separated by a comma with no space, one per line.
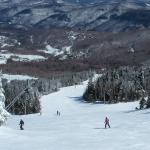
[90,92]
[142,103]
[148,103]
[3,113]
[122,84]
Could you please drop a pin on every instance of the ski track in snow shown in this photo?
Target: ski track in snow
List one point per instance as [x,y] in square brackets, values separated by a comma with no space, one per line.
[80,126]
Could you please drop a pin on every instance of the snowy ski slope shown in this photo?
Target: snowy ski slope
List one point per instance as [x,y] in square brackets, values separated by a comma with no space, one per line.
[80,126]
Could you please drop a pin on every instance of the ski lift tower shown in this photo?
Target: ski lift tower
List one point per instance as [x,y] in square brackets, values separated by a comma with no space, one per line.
[18,96]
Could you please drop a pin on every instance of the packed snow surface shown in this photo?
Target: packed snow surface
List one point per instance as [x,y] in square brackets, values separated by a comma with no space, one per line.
[80,126]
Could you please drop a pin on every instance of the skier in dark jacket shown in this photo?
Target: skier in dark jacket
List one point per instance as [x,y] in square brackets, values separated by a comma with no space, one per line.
[21,124]
[107,123]
[58,113]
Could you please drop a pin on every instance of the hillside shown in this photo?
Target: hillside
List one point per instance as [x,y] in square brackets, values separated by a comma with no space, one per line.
[39,52]
[44,37]
[80,126]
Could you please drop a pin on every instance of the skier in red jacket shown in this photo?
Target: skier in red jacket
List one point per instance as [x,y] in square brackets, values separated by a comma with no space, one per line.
[107,123]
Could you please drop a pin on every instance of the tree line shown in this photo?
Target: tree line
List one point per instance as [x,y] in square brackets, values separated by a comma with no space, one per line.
[123,84]
[32,90]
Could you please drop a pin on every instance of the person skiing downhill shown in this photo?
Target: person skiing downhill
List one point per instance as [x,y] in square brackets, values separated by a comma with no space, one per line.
[58,113]
[21,124]
[107,122]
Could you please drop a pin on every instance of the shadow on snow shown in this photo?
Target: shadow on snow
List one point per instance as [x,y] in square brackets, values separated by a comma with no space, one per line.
[78,99]
[81,100]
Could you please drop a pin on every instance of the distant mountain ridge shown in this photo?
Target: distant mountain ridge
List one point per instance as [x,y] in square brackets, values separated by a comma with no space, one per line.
[106,1]
[105,15]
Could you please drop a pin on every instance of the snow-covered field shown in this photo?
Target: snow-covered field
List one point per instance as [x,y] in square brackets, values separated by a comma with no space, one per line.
[20,57]
[57,52]
[11,77]
[80,126]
